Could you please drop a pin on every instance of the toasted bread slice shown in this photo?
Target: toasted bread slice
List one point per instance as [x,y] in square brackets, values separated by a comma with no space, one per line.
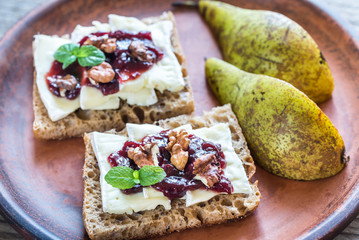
[169,104]
[102,225]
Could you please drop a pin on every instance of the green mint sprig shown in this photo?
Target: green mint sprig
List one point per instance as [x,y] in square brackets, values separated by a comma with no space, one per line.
[86,55]
[125,178]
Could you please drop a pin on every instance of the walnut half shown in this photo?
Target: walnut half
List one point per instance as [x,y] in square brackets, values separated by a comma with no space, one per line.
[178,146]
[67,82]
[108,45]
[102,73]
[144,155]
[207,167]
[140,52]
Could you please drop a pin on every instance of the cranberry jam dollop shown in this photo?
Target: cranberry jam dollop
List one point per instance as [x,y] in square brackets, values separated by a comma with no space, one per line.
[176,183]
[126,66]
[56,71]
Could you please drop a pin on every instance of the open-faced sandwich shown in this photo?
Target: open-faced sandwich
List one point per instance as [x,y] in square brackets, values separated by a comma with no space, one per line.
[107,75]
[179,173]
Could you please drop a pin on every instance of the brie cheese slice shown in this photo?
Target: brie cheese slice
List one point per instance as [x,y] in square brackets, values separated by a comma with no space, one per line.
[92,98]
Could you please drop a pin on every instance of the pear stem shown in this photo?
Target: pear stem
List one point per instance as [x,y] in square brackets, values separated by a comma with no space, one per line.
[185,4]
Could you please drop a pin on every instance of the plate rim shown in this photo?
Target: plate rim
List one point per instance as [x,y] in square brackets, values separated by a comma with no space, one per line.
[30,229]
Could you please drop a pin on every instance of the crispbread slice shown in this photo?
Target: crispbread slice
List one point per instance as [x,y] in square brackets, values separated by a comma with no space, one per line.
[169,104]
[219,209]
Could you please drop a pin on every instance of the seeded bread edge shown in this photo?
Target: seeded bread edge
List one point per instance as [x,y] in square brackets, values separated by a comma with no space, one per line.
[150,223]
[169,104]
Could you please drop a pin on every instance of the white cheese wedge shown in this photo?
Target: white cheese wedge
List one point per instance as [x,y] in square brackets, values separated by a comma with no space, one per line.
[80,31]
[44,48]
[59,107]
[105,144]
[219,133]
[199,195]
[113,200]
[152,193]
[142,97]
[92,98]
[138,131]
[234,171]
[202,179]
[165,74]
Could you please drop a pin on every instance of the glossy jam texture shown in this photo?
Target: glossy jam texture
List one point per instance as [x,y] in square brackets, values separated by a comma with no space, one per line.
[125,66]
[177,183]
[120,158]
[56,70]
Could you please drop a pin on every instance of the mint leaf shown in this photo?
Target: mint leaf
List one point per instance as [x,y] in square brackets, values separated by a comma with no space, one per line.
[66,54]
[125,178]
[90,56]
[68,61]
[86,55]
[120,177]
[136,176]
[150,175]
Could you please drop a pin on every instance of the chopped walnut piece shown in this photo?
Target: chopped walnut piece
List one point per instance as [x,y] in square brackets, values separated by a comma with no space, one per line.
[140,52]
[108,45]
[67,82]
[94,41]
[102,73]
[207,167]
[144,155]
[177,146]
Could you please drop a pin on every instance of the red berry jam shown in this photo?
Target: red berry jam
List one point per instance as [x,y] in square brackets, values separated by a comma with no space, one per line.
[106,88]
[56,70]
[125,66]
[120,158]
[177,182]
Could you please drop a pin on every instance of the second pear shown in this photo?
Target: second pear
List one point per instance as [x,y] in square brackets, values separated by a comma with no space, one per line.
[287,133]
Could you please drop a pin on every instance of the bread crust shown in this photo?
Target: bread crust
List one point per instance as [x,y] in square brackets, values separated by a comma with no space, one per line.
[169,104]
[150,223]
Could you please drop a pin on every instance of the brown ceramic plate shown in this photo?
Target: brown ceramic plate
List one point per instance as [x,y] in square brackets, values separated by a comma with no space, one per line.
[41,185]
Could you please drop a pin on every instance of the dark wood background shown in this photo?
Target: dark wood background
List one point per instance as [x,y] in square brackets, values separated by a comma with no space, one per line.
[13,10]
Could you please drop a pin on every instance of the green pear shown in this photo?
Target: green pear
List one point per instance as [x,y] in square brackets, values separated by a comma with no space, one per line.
[269,43]
[287,133]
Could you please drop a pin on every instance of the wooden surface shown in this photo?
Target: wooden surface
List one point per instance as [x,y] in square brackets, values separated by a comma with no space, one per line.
[12,11]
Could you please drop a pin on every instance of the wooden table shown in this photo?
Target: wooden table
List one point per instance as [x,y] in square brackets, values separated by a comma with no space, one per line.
[12,11]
